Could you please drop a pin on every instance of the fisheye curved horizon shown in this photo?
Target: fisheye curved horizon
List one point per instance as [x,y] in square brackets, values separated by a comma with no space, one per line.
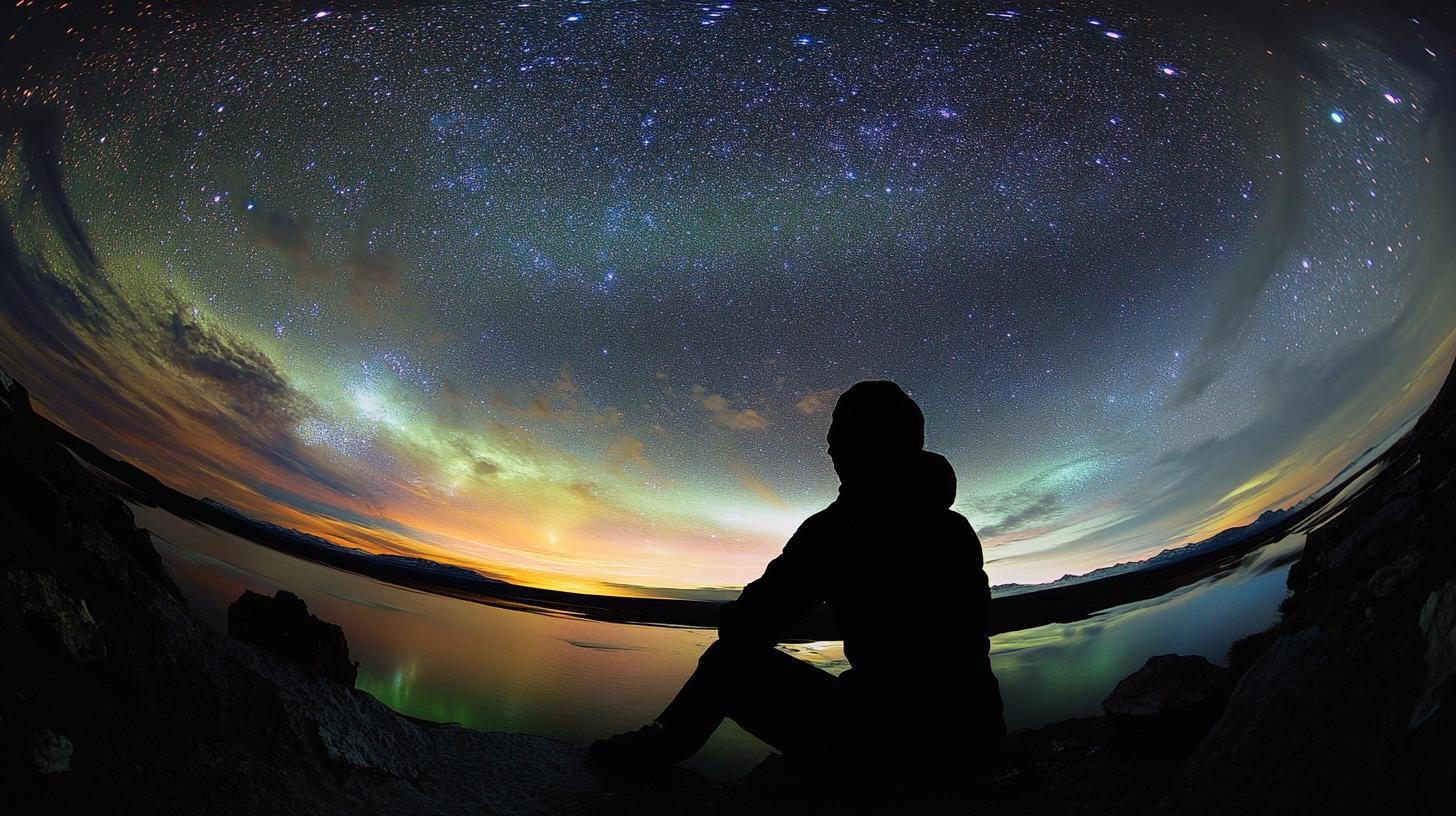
[565,294]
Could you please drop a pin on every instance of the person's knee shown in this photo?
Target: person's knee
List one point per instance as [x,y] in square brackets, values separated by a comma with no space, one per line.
[724,656]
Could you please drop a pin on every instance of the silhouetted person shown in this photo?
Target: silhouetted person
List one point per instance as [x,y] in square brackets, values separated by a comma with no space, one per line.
[902,573]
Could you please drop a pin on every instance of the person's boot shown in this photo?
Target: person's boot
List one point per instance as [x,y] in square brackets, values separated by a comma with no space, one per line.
[651,747]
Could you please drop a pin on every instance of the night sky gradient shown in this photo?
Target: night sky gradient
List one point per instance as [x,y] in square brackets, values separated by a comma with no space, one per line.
[565,292]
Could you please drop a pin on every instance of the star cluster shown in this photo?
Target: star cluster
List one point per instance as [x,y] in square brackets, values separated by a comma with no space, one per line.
[565,291]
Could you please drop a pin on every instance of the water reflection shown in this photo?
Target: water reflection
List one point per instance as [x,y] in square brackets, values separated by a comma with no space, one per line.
[573,679]
[455,661]
[1065,670]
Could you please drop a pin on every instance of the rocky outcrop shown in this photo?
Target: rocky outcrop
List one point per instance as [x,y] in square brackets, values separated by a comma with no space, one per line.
[114,698]
[1168,686]
[1344,706]
[1170,702]
[1438,624]
[282,625]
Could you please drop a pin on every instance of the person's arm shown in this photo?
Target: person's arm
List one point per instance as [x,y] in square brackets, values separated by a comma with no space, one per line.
[980,605]
[789,589]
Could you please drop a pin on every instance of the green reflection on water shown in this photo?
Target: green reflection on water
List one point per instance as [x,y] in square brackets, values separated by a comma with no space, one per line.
[397,689]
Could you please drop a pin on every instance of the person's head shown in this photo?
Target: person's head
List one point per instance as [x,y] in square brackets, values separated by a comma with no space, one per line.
[937,479]
[875,423]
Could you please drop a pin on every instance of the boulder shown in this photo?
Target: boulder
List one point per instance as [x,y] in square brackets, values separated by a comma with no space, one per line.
[282,625]
[1438,624]
[36,602]
[1169,685]
[1169,703]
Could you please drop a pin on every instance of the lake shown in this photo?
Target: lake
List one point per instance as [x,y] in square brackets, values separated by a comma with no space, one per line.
[574,679]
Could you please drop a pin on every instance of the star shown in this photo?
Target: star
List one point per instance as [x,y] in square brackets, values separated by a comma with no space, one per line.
[613,276]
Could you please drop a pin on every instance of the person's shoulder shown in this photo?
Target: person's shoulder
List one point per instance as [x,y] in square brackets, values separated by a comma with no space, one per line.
[830,516]
[957,522]
[820,526]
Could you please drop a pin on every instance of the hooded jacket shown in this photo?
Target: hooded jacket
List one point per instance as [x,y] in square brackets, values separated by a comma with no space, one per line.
[902,574]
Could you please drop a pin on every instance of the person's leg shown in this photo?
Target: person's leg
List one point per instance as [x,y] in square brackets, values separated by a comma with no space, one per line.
[785,702]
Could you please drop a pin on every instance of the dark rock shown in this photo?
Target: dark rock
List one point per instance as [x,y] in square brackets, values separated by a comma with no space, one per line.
[282,625]
[1168,704]
[138,544]
[51,752]
[114,698]
[1169,685]
[36,602]
[1438,624]
[1341,709]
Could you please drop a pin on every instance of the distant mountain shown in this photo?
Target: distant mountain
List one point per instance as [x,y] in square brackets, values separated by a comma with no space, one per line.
[1214,543]
[326,550]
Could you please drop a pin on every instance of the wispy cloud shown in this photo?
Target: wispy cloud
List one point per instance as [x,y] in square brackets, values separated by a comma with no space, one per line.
[727,413]
[816,401]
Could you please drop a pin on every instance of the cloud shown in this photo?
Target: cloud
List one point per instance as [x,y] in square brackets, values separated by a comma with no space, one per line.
[564,382]
[561,401]
[40,131]
[44,304]
[555,401]
[293,238]
[1040,509]
[1303,417]
[608,416]
[1283,215]
[453,402]
[240,372]
[114,362]
[815,401]
[627,449]
[746,419]
[761,489]
[248,403]
[370,274]
[584,489]
[725,414]
[284,233]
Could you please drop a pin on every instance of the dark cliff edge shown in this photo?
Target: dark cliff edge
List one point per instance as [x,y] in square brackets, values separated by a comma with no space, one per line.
[114,697]
[1346,704]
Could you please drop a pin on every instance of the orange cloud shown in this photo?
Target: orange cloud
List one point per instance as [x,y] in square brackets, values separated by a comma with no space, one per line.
[557,401]
[371,274]
[725,414]
[761,489]
[814,401]
[625,449]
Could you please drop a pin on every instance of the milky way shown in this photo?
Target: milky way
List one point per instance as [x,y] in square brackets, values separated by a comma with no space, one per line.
[565,292]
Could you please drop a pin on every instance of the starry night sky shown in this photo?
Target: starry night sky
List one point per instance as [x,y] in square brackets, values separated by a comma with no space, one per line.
[565,292]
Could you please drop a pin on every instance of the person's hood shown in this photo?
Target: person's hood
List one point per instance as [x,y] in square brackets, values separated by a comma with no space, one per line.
[919,480]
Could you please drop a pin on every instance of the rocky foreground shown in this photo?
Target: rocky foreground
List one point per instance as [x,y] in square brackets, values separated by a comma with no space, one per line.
[113,697]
